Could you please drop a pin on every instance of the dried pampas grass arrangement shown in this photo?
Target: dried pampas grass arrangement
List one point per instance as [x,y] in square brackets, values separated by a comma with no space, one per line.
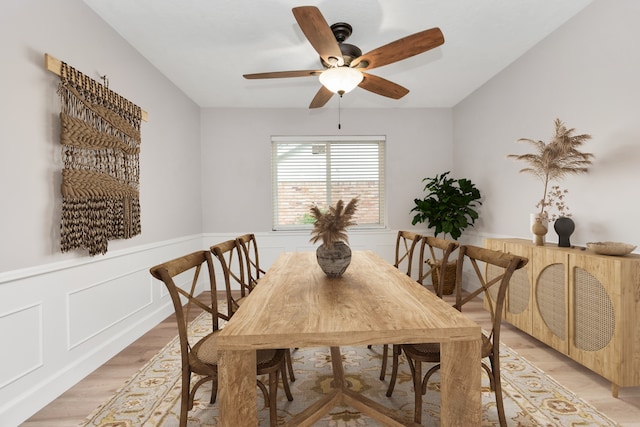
[554,160]
[331,226]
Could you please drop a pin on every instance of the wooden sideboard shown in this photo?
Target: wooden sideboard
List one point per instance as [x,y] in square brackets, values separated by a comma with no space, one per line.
[585,305]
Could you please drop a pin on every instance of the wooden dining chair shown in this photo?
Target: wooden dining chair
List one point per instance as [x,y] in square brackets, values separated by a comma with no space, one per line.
[439,252]
[406,242]
[436,259]
[199,355]
[248,248]
[502,266]
[230,259]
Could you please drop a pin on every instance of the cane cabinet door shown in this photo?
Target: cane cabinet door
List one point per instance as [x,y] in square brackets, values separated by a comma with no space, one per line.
[604,298]
[583,304]
[551,297]
[518,304]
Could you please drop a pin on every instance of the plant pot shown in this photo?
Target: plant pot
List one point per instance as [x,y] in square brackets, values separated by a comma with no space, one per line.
[449,276]
[335,259]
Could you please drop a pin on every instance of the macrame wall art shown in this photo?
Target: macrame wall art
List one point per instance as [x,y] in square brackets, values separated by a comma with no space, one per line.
[100,137]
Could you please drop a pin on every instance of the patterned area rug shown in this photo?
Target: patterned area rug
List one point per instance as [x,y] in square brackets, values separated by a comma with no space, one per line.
[531,398]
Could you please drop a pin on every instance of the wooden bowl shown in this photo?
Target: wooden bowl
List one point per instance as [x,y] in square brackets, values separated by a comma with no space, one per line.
[611,248]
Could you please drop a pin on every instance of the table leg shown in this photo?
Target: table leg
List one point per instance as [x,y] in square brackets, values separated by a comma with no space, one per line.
[237,395]
[460,383]
[338,369]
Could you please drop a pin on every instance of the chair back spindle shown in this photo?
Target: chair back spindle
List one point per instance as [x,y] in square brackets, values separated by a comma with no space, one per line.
[249,250]
[229,257]
[439,251]
[406,242]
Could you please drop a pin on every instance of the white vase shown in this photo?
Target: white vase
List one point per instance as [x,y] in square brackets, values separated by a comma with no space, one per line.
[534,218]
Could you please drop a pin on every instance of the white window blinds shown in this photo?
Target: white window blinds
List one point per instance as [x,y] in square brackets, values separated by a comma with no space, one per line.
[322,170]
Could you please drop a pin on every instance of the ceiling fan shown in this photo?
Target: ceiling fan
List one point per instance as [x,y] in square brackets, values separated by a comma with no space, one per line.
[344,64]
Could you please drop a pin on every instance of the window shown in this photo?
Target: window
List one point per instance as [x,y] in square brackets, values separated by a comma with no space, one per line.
[323,170]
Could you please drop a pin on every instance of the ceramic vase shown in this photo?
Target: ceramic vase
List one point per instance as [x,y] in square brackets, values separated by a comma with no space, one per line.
[564,227]
[335,259]
[539,226]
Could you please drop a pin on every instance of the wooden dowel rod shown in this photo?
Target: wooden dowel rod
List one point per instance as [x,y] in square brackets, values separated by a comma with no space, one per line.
[55,66]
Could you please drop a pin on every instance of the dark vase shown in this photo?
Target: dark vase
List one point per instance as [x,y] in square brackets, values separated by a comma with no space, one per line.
[334,260]
[564,228]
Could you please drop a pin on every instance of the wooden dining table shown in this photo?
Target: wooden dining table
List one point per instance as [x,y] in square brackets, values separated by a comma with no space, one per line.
[296,305]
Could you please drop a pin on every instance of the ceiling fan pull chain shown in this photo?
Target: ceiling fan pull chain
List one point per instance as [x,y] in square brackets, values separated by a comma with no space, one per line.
[339,104]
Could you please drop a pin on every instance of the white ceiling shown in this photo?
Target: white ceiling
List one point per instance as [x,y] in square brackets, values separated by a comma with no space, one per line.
[205,46]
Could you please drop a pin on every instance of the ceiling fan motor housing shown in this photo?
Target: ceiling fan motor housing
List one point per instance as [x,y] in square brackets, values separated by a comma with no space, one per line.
[342,31]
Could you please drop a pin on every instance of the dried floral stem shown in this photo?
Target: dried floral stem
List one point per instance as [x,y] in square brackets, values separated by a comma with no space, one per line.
[555,199]
[331,226]
[555,160]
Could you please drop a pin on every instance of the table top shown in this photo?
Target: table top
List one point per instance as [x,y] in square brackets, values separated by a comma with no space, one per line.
[297,305]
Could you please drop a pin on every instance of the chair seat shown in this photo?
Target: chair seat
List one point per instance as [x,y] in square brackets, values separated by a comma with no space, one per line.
[267,359]
[204,354]
[426,352]
[430,352]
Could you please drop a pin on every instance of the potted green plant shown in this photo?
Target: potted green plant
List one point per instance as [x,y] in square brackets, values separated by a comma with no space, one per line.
[448,208]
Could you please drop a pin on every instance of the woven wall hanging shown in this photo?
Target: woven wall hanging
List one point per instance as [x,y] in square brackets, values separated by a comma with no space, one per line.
[100,137]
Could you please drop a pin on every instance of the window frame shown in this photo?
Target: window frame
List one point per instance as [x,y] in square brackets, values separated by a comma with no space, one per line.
[334,139]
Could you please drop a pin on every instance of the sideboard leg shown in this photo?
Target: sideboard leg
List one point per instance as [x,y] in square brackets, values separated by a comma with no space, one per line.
[614,389]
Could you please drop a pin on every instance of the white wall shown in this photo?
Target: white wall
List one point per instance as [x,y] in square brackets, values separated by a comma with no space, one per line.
[62,315]
[236,156]
[30,163]
[586,74]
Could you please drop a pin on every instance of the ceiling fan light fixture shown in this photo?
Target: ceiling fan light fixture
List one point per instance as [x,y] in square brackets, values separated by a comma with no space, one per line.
[341,80]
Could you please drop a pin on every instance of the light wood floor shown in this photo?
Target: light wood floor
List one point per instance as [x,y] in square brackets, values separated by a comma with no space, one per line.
[79,401]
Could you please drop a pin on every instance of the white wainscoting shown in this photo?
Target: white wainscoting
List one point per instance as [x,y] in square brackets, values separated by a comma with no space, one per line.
[19,361]
[271,244]
[60,322]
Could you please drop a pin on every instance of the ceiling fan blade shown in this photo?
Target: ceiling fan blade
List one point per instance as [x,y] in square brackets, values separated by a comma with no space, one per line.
[400,49]
[382,86]
[319,34]
[282,74]
[322,97]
